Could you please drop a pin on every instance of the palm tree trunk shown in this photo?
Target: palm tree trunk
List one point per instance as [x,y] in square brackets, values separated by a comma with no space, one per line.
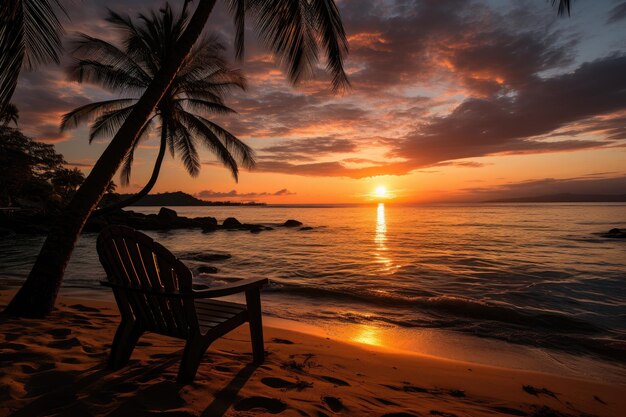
[147,188]
[37,296]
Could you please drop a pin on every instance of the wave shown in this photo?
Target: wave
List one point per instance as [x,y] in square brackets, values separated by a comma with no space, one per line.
[456,307]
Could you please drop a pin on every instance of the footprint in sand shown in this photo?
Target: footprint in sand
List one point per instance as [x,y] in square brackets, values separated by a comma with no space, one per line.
[59,333]
[12,346]
[283,384]
[441,413]
[282,341]
[65,344]
[264,404]
[222,368]
[333,403]
[512,411]
[400,414]
[335,381]
[84,308]
[44,366]
[384,401]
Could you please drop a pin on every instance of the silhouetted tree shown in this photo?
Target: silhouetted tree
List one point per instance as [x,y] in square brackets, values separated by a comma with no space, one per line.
[9,114]
[197,92]
[66,181]
[26,169]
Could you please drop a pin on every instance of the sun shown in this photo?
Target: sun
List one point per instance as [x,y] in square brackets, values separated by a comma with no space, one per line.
[380,192]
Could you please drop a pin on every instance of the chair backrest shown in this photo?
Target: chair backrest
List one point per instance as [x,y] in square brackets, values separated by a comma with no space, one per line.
[148,280]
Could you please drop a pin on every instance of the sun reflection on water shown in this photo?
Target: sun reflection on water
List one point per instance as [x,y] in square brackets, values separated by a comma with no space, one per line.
[380,238]
[367,335]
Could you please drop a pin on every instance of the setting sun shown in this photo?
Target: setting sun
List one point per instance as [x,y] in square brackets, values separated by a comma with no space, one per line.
[380,192]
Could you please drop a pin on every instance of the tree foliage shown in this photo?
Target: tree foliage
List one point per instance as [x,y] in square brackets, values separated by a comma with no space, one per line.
[27,172]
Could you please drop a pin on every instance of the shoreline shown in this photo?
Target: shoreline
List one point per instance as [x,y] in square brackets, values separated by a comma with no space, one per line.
[436,343]
[304,374]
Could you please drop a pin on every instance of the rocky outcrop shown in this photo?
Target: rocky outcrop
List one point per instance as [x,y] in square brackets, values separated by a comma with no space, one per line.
[615,233]
[231,223]
[292,223]
[166,219]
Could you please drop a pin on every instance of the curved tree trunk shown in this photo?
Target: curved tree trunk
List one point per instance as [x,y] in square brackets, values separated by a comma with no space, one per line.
[37,296]
[147,188]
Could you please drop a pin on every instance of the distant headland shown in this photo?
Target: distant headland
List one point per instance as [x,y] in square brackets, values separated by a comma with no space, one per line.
[179,198]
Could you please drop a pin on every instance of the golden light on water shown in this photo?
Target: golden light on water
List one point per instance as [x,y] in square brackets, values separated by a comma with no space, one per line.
[381,227]
[367,335]
[380,238]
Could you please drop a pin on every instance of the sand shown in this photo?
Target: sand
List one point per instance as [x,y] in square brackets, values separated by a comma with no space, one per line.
[56,367]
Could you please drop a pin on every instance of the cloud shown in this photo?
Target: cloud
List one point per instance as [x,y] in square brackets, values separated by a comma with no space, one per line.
[512,125]
[235,194]
[591,184]
[309,148]
[617,13]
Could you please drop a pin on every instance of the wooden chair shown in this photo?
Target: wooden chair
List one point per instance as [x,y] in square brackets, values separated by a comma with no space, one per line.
[154,293]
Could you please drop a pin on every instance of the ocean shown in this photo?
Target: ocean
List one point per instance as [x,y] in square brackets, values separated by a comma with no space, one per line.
[533,275]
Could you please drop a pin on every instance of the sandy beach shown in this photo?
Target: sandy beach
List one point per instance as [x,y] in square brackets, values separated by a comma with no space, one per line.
[56,367]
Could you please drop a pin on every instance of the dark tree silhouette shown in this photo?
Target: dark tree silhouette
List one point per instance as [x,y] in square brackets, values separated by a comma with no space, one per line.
[196,93]
[9,114]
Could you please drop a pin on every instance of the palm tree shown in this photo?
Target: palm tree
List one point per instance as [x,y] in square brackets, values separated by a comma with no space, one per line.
[197,91]
[30,34]
[294,31]
[9,114]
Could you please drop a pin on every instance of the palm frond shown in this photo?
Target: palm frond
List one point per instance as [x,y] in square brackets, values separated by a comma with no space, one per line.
[197,127]
[94,49]
[127,164]
[285,27]
[84,113]
[109,123]
[205,106]
[107,76]
[328,24]
[238,10]
[30,34]
[243,153]
[183,141]
[564,6]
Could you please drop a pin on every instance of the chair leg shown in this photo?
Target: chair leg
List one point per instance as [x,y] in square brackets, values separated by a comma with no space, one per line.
[253,301]
[192,355]
[124,343]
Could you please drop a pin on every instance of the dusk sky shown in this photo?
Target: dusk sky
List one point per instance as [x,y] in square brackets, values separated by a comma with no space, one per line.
[450,101]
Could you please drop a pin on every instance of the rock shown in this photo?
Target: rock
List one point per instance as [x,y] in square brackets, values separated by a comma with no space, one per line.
[306,228]
[615,233]
[292,223]
[207,222]
[231,223]
[167,215]
[207,269]
[256,229]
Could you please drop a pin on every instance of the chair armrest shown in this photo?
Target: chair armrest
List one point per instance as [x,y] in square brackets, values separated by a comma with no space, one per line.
[233,288]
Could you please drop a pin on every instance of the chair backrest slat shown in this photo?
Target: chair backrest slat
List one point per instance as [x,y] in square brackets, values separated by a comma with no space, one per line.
[133,260]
